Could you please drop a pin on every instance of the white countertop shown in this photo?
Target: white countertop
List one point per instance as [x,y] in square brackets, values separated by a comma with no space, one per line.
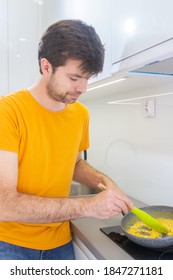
[102,247]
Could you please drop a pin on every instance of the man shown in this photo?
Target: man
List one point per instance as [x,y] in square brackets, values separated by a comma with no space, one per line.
[43,132]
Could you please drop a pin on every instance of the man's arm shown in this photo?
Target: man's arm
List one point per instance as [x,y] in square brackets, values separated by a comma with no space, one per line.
[15,206]
[85,174]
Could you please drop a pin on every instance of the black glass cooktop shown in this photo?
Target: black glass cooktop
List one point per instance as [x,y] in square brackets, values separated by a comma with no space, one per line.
[136,251]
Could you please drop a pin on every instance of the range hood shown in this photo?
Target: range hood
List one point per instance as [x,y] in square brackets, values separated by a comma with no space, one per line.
[161,67]
[157,60]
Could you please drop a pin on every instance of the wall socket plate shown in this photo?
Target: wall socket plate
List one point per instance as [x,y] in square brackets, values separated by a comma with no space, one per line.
[150,107]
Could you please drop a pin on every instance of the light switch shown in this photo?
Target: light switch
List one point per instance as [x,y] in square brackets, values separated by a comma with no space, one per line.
[150,107]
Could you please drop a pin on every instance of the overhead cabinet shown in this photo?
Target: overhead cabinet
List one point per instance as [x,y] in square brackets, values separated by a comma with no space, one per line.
[125,27]
[20,29]
[3,48]
[23,35]
[138,25]
[97,13]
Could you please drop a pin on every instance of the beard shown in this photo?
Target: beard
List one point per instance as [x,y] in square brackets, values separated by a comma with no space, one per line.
[55,92]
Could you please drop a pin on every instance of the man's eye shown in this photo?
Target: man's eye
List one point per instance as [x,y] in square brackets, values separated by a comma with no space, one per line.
[73,79]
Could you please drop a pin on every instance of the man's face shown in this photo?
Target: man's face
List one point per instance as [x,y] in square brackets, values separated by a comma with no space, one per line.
[68,82]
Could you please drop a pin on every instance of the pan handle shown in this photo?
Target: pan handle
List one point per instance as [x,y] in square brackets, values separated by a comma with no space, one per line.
[101,186]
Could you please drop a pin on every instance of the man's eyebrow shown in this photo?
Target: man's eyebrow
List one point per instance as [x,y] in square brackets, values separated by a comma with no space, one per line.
[79,76]
[75,75]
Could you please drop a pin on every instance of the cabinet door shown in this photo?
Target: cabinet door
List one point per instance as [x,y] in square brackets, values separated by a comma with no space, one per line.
[81,251]
[23,35]
[79,254]
[96,13]
[138,25]
[3,48]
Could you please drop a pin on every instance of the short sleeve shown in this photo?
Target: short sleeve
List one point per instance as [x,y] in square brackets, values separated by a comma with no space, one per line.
[9,130]
[84,145]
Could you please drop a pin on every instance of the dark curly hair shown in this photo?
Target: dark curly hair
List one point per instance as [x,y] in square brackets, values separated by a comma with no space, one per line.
[72,39]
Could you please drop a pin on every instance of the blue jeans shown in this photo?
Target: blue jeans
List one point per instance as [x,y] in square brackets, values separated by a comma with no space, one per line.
[13,252]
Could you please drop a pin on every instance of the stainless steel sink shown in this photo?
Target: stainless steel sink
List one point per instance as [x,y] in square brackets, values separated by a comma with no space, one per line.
[82,190]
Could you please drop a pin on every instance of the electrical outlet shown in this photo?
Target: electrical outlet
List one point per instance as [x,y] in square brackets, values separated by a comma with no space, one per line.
[150,107]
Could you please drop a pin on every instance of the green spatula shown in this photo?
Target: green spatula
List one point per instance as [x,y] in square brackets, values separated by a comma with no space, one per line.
[143,216]
[149,220]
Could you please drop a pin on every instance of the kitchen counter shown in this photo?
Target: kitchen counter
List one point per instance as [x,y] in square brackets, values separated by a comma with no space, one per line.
[87,231]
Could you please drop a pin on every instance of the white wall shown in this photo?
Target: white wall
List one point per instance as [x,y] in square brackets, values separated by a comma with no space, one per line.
[137,152]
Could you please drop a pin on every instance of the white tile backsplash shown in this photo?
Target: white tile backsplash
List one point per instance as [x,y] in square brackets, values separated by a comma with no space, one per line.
[135,151]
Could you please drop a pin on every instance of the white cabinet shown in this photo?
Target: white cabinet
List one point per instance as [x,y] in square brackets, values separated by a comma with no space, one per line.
[23,34]
[79,254]
[96,13]
[81,251]
[20,29]
[138,25]
[3,48]
[125,28]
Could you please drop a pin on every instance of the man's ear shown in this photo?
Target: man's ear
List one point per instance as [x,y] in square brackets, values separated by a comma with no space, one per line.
[45,66]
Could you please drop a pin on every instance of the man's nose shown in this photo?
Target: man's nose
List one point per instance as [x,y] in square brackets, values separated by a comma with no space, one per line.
[82,86]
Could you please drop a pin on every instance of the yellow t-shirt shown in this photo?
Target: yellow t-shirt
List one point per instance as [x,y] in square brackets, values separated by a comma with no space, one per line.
[47,144]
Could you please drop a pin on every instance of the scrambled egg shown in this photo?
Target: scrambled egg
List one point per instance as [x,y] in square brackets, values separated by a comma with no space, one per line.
[141,230]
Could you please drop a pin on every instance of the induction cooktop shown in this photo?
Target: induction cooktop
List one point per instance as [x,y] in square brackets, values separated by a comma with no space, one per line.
[136,251]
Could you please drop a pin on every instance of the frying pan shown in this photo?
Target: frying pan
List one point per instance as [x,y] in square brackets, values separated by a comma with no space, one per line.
[160,211]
